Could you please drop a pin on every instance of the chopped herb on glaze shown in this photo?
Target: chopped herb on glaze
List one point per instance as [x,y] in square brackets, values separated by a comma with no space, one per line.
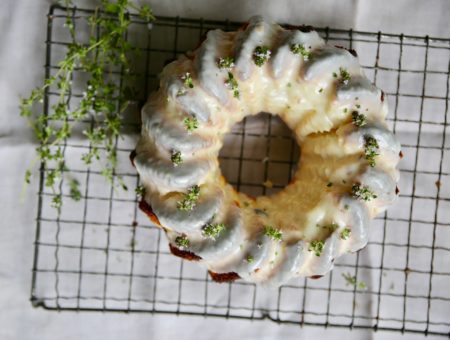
[301,50]
[250,259]
[190,199]
[140,191]
[321,90]
[316,247]
[273,233]
[363,192]
[358,119]
[344,75]
[175,157]
[226,63]
[187,80]
[331,227]
[190,123]
[232,84]
[213,230]
[351,280]
[329,184]
[181,92]
[345,234]
[182,242]
[371,149]
[261,55]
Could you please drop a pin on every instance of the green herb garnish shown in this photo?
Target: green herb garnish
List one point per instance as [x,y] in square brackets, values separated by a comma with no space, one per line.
[301,50]
[140,191]
[329,184]
[351,280]
[213,230]
[371,149]
[57,202]
[187,80]
[250,259]
[182,242]
[260,55]
[175,157]
[226,63]
[358,119]
[190,199]
[232,84]
[345,234]
[331,227]
[75,193]
[273,233]
[102,102]
[316,247]
[344,75]
[363,192]
[190,123]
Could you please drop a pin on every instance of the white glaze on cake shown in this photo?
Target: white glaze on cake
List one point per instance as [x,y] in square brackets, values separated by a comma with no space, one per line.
[315,96]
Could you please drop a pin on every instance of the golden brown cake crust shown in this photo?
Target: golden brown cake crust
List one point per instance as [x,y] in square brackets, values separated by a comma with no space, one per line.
[224,277]
[187,255]
[147,209]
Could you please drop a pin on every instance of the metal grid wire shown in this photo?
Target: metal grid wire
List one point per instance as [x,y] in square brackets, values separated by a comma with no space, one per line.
[102,254]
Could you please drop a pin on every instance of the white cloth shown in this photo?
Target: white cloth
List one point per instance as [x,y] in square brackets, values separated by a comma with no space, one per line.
[22,37]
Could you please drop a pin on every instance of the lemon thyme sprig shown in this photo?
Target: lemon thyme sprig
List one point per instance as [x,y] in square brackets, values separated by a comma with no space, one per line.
[74,190]
[352,281]
[273,233]
[358,119]
[371,149]
[261,54]
[190,199]
[301,50]
[316,247]
[232,84]
[103,99]
[363,192]
[212,230]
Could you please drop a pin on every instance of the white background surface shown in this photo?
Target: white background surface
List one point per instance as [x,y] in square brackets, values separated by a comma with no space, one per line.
[22,36]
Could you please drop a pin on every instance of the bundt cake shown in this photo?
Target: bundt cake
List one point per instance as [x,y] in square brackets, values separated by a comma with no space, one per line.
[347,170]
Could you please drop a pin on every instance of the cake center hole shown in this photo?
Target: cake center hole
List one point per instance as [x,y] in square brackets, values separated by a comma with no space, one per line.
[260,155]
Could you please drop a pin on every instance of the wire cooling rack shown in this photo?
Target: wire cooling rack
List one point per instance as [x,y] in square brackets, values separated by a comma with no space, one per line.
[102,254]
